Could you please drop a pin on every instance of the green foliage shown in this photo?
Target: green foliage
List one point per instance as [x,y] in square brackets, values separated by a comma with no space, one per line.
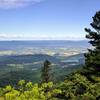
[31,92]
[46,77]
[76,87]
[93,56]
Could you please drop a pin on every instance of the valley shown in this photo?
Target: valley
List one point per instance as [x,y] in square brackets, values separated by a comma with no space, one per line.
[22,61]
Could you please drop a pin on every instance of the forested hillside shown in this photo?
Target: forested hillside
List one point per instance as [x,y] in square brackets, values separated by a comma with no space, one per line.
[83,84]
[28,67]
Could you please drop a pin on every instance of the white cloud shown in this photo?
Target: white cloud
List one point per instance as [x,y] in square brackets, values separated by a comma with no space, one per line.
[39,37]
[8,4]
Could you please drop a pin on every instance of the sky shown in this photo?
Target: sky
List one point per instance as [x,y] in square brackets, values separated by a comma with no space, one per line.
[46,19]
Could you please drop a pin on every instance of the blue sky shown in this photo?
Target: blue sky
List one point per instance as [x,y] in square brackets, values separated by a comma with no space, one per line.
[46,19]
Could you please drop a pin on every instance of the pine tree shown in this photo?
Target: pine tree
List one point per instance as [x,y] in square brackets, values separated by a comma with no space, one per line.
[46,77]
[92,58]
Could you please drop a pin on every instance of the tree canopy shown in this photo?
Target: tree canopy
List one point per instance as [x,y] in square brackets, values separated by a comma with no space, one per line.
[93,55]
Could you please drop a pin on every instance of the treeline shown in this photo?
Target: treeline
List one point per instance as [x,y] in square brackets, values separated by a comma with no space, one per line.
[76,87]
[80,85]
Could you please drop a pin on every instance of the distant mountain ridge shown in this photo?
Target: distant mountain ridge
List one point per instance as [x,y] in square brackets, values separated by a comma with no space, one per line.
[13,45]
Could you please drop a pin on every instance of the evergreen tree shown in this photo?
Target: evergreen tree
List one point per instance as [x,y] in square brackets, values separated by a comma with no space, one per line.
[92,58]
[46,77]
